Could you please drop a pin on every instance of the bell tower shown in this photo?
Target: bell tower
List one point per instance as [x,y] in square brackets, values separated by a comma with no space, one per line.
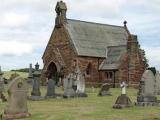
[61,10]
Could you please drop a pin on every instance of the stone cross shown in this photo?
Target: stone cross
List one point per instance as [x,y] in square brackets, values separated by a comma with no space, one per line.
[123,85]
[36,83]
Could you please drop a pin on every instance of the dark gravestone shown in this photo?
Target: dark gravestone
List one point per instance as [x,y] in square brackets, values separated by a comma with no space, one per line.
[17,100]
[123,101]
[147,91]
[36,94]
[50,88]
[104,91]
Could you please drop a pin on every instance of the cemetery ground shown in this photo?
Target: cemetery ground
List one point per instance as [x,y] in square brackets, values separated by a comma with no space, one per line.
[91,108]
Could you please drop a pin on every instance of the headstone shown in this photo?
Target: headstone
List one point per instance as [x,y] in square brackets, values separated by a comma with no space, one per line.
[104,91]
[123,86]
[80,92]
[157,82]
[146,95]
[50,88]
[68,89]
[17,100]
[30,75]
[2,97]
[36,94]
[123,101]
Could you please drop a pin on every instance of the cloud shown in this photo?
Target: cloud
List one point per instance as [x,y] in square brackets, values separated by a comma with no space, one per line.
[12,19]
[152,54]
[26,25]
[10,48]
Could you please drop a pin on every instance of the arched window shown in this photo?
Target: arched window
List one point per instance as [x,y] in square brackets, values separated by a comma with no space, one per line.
[88,69]
[109,75]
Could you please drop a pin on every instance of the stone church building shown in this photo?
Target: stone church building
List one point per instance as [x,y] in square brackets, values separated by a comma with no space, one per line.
[103,52]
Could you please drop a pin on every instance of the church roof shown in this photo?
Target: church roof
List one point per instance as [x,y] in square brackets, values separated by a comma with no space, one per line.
[114,55]
[92,39]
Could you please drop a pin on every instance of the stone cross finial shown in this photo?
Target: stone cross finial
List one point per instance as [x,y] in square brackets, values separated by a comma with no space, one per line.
[123,85]
[125,23]
[37,66]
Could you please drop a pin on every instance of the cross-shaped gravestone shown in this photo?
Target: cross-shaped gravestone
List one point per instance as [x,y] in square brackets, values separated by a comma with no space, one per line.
[123,86]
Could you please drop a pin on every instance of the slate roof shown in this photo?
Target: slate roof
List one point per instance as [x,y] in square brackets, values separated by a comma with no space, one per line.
[114,55]
[92,39]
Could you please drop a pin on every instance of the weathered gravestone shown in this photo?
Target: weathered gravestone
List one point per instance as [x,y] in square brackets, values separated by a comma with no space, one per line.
[51,88]
[157,75]
[36,94]
[68,86]
[80,91]
[123,100]
[30,75]
[2,97]
[146,95]
[17,100]
[104,91]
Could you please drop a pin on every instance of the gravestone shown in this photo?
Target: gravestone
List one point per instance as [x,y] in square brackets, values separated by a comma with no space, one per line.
[51,88]
[80,92]
[123,101]
[104,91]
[2,97]
[157,75]
[68,86]
[30,75]
[36,94]
[146,95]
[17,100]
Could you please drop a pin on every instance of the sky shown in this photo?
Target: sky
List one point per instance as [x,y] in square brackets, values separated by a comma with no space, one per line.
[26,26]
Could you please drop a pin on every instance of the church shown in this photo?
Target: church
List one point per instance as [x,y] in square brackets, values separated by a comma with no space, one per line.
[103,52]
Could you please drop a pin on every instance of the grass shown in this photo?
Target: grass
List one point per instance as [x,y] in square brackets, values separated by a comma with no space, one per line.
[90,108]
[9,73]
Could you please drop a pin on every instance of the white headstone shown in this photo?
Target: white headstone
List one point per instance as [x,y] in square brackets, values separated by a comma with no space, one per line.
[68,83]
[80,82]
[123,85]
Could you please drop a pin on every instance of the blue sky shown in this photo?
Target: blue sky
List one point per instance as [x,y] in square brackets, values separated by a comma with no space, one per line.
[26,26]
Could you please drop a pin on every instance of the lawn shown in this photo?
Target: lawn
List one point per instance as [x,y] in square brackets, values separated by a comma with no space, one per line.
[90,108]
[9,73]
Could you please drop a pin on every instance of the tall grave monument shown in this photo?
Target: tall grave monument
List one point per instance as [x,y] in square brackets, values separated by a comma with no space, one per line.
[36,94]
[30,75]
[147,92]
